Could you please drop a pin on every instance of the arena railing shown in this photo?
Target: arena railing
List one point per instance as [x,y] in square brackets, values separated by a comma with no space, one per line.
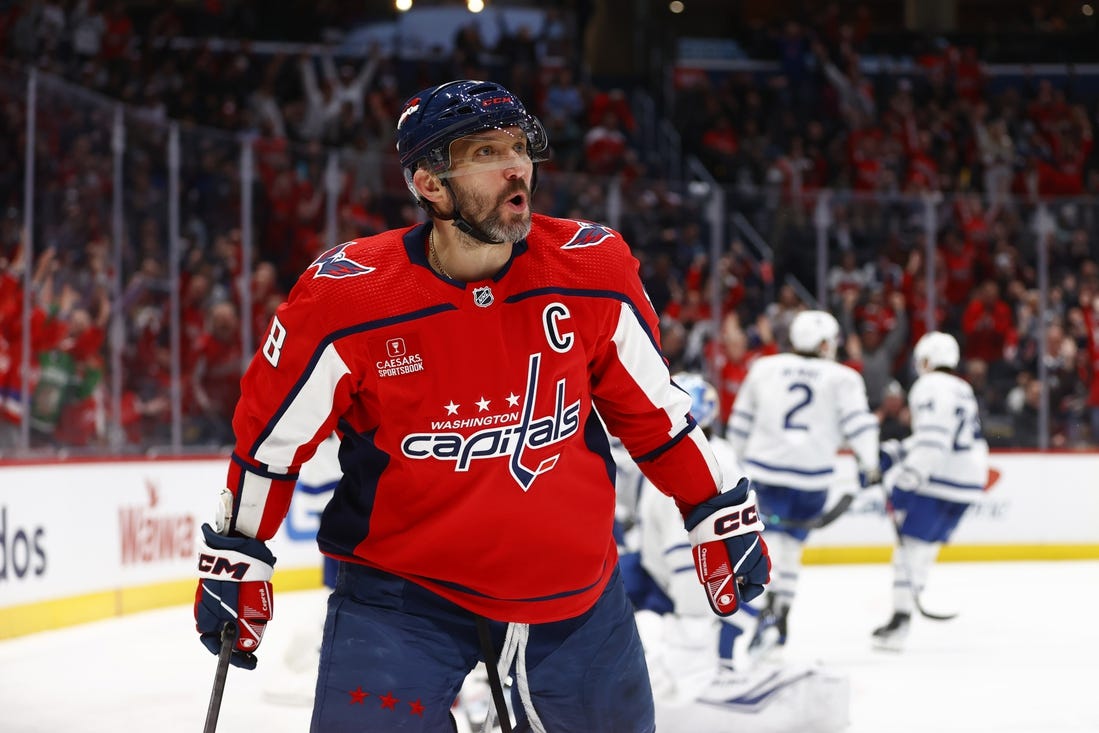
[153,253]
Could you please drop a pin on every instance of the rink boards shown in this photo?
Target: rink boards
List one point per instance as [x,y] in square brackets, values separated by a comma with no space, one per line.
[81,541]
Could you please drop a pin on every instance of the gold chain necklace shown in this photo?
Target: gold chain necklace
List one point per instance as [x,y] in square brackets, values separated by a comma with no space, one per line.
[435,257]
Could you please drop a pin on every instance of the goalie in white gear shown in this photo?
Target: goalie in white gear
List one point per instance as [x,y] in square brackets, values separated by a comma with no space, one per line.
[933,476]
[686,658]
[793,413]
[702,679]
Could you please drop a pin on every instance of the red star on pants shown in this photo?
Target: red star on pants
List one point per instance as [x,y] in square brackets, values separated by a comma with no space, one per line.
[358,695]
[417,708]
[388,701]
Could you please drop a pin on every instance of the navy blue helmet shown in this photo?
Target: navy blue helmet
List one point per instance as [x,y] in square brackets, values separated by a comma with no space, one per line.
[435,117]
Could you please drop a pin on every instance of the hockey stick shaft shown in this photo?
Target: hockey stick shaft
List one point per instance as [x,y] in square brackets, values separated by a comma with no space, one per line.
[823,520]
[228,641]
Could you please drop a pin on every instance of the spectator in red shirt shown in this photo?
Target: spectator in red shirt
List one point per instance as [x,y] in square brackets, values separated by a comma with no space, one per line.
[731,360]
[605,146]
[959,263]
[118,33]
[216,377]
[47,328]
[988,326]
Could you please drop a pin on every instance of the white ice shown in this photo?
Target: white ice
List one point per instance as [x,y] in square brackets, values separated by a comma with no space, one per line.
[1022,657]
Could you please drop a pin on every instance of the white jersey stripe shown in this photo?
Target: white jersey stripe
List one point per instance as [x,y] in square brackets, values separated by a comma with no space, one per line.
[253,498]
[643,362]
[307,411]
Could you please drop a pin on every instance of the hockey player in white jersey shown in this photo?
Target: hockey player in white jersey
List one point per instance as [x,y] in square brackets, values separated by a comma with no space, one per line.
[686,658]
[932,477]
[793,413]
[703,680]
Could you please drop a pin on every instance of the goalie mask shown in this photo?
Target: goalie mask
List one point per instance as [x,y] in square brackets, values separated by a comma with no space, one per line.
[935,350]
[703,397]
[815,333]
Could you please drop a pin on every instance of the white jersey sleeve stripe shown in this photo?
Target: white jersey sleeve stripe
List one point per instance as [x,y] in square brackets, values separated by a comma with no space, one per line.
[306,411]
[647,368]
[253,499]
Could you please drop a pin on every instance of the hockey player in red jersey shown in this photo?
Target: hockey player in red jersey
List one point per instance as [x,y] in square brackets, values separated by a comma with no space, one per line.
[463,360]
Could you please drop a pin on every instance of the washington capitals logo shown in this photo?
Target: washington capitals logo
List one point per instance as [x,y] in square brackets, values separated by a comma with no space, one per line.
[587,234]
[336,264]
[523,437]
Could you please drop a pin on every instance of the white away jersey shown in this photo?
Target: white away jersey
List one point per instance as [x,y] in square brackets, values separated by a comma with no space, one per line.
[946,450]
[791,416]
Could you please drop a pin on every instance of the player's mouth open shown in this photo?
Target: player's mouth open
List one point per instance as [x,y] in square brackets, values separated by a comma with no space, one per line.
[518,202]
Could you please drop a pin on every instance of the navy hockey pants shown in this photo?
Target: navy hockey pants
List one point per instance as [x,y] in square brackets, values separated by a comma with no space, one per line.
[394,657]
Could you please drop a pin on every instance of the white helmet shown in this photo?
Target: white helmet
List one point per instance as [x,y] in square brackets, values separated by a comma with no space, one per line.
[934,350]
[815,332]
[703,397]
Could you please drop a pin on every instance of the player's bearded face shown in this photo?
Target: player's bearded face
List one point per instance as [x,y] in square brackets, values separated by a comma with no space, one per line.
[489,177]
[503,216]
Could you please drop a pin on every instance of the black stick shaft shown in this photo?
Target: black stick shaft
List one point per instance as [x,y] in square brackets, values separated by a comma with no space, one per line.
[228,641]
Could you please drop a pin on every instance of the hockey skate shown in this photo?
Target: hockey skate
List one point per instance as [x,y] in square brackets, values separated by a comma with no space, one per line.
[770,634]
[891,637]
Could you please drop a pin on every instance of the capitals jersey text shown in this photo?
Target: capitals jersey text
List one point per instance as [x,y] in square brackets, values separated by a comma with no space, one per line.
[473,459]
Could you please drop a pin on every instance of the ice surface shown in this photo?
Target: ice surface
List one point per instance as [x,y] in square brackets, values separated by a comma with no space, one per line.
[1022,657]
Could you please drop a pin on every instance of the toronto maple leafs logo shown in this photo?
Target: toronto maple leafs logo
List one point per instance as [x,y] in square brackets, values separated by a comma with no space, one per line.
[588,234]
[336,264]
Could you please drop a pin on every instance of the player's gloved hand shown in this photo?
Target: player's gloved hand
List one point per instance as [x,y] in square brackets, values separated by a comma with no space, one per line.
[234,585]
[890,452]
[730,555]
[869,477]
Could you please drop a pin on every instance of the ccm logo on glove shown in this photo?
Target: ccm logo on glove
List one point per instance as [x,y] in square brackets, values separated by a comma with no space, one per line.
[735,520]
[729,552]
[221,566]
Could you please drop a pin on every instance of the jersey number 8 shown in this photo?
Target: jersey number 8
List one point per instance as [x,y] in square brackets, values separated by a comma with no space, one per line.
[272,347]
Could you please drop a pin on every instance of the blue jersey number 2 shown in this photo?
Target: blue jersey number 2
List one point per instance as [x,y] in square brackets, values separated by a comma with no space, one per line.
[806,398]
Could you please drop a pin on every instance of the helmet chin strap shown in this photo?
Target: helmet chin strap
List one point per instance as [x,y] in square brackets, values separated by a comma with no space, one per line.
[463,225]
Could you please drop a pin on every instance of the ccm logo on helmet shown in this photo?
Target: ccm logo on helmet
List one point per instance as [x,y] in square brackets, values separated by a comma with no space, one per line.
[494,100]
[734,520]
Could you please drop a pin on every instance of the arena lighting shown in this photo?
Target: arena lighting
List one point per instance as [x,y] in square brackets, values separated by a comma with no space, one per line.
[676,6]
[475,6]
[1087,9]
[403,5]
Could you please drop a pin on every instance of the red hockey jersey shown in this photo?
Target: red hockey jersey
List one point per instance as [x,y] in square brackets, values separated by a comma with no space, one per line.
[474,461]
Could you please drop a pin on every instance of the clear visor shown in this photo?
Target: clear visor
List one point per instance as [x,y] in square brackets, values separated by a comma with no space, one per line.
[491,150]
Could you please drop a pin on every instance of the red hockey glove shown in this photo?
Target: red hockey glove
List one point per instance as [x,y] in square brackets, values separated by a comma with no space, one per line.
[729,552]
[235,586]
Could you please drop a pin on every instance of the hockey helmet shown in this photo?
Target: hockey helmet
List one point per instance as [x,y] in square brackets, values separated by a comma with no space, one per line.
[435,117]
[703,397]
[936,350]
[815,332]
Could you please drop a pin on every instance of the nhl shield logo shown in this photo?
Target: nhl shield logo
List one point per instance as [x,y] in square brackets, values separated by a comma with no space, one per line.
[483,296]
